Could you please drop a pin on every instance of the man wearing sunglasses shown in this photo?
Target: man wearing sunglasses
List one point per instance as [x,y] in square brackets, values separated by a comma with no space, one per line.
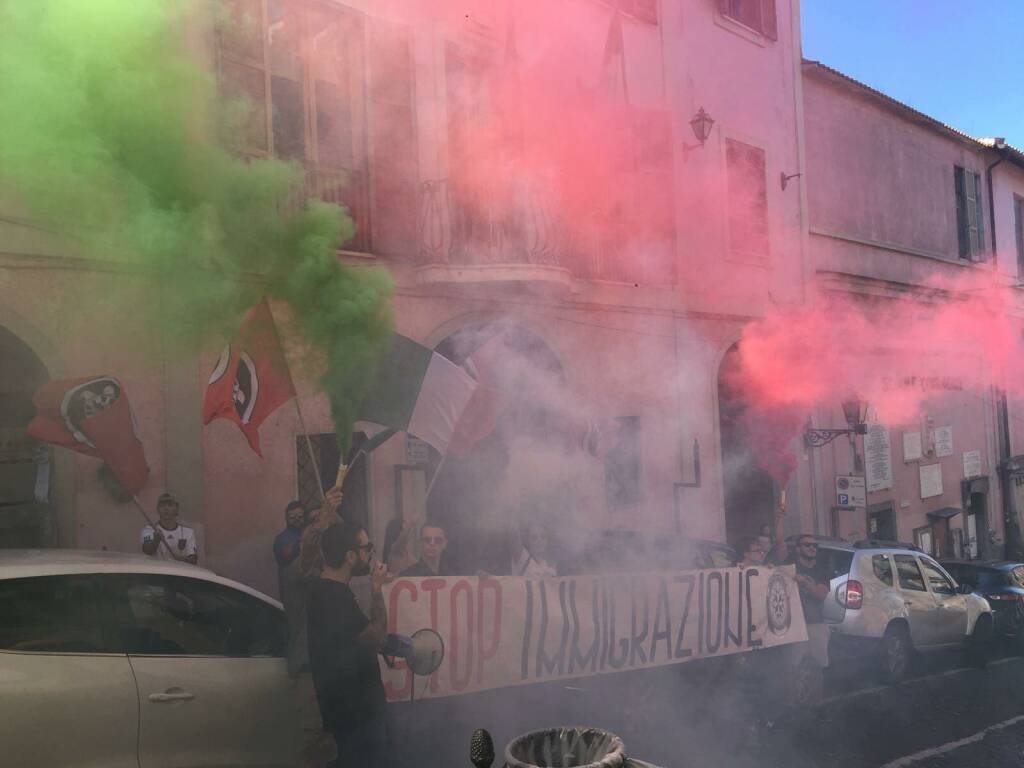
[812,579]
[343,646]
[432,546]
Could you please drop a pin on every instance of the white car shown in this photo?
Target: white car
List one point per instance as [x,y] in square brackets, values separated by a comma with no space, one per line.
[112,660]
[902,601]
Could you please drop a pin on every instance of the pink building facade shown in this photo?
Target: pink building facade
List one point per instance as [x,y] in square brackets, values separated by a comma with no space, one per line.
[884,188]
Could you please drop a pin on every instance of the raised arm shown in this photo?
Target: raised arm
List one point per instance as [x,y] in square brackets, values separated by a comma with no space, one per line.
[779,548]
[376,631]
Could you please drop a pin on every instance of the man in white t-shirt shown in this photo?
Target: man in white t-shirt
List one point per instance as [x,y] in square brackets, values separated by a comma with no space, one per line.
[169,539]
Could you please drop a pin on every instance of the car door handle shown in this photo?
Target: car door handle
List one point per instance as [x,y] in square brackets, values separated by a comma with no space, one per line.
[159,697]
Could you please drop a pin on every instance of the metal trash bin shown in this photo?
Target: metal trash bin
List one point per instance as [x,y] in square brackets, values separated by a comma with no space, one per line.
[579,747]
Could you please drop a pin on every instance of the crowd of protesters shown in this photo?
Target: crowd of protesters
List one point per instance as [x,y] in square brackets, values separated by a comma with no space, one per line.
[333,644]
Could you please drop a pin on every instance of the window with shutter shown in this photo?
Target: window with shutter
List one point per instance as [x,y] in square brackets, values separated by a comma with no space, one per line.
[747,199]
[962,225]
[978,239]
[394,168]
[299,72]
[970,219]
[758,15]
[653,214]
[242,70]
[1018,225]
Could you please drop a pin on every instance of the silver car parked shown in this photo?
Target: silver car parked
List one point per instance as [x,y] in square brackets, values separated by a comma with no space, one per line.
[115,660]
[901,601]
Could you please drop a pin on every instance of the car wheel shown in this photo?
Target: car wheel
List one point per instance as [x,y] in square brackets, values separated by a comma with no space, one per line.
[979,645]
[896,653]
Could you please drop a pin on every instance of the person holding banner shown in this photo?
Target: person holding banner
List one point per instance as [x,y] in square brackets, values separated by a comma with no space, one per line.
[169,539]
[529,545]
[343,646]
[432,545]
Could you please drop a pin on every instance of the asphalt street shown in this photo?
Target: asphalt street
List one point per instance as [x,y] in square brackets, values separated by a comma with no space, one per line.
[945,715]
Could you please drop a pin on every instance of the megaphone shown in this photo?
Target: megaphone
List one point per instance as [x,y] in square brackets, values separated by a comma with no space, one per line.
[423,652]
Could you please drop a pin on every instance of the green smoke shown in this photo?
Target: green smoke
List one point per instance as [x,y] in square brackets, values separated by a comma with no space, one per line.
[109,126]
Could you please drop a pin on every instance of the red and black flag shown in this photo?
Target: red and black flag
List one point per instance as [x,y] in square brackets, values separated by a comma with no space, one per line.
[92,415]
[251,378]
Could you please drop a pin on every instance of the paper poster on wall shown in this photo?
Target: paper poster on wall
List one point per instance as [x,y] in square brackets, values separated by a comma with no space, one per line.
[931,480]
[878,457]
[416,451]
[972,464]
[943,441]
[911,446]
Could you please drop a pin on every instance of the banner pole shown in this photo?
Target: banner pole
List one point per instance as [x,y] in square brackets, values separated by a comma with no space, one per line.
[433,478]
[298,409]
[309,447]
[150,523]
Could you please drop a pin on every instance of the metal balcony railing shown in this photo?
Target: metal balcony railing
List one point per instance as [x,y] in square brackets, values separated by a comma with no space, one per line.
[522,229]
[346,188]
[459,229]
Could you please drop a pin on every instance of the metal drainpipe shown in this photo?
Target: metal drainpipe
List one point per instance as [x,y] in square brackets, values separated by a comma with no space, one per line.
[1013,538]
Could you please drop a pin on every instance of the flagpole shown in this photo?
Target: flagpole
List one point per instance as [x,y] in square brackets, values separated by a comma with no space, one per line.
[309,447]
[150,523]
[298,409]
[433,479]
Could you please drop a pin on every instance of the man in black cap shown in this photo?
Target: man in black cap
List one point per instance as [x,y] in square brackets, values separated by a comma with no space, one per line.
[343,647]
[169,539]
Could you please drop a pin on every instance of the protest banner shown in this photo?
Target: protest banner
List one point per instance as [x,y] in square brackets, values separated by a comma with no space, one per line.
[510,631]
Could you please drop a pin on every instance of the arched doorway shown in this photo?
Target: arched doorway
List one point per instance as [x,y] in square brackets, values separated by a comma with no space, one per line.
[749,490]
[477,497]
[25,466]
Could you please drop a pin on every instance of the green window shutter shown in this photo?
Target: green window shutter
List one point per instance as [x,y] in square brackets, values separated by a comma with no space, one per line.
[979,218]
[1018,220]
[962,225]
[394,159]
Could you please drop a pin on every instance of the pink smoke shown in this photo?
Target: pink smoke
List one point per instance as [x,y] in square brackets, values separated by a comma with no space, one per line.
[895,352]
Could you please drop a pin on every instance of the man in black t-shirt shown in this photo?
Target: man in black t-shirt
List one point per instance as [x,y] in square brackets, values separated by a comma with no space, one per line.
[812,579]
[343,646]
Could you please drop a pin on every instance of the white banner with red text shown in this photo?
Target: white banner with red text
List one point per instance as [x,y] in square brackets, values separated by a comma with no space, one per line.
[505,631]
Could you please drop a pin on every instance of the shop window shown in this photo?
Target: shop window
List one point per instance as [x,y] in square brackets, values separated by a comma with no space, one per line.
[923,539]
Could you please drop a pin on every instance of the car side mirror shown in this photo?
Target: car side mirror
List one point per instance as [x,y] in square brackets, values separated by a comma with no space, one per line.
[965,589]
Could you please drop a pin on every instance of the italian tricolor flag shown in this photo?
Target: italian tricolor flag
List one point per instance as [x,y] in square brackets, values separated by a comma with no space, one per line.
[428,396]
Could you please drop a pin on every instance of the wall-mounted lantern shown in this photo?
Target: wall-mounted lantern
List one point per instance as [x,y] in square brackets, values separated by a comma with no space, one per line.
[701,123]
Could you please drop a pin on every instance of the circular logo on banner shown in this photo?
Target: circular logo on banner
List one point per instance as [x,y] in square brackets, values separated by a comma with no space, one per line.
[777,605]
[86,400]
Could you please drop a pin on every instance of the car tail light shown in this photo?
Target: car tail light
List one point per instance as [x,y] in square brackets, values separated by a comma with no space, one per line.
[854,594]
[1004,596]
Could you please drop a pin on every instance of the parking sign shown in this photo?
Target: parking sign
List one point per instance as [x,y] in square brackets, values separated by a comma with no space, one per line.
[851,491]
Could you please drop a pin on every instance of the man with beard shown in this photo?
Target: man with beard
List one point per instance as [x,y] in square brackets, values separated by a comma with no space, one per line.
[343,646]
